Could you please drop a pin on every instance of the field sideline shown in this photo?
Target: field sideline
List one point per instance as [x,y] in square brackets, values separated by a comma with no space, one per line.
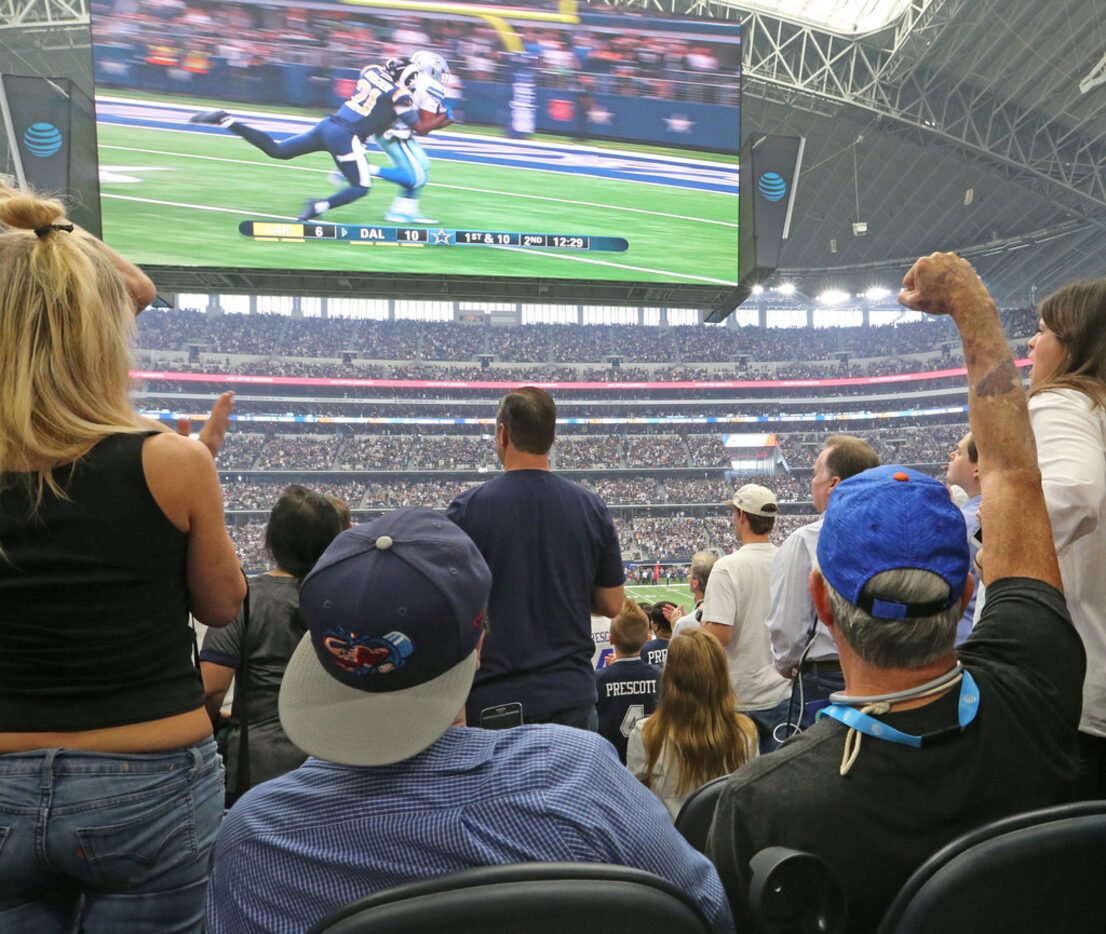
[173,197]
[654,593]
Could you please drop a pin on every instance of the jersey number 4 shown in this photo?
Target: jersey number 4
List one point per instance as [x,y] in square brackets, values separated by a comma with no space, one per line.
[634,713]
[364,98]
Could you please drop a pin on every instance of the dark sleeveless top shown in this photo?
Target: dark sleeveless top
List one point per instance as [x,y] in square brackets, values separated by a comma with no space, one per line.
[93,600]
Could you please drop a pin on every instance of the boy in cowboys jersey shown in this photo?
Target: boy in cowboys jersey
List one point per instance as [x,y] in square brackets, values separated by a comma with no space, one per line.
[378,103]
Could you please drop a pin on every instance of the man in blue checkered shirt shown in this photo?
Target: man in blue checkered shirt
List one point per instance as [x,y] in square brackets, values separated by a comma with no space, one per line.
[398,788]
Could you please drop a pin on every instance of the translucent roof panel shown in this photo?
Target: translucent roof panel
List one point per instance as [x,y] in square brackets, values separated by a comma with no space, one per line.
[843,16]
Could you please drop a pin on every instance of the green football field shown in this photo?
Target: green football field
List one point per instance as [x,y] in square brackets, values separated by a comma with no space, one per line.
[176,198]
[676,593]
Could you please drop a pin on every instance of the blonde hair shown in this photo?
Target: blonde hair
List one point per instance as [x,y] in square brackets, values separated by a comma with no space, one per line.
[66,324]
[629,629]
[696,717]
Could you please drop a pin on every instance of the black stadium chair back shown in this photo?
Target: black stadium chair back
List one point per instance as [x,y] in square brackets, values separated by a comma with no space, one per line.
[535,898]
[792,892]
[697,812]
[1039,872]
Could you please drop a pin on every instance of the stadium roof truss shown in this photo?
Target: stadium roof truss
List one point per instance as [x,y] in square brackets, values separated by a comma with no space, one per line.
[25,14]
[896,73]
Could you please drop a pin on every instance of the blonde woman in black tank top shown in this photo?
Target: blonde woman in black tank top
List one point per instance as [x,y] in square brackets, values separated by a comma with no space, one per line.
[111,533]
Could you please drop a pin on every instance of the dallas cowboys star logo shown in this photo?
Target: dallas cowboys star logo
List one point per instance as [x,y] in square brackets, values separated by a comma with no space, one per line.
[441,238]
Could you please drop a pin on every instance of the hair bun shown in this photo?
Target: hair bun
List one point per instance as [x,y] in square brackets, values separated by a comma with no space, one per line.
[24,211]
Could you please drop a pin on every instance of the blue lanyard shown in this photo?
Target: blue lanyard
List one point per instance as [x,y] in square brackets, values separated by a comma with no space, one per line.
[870,726]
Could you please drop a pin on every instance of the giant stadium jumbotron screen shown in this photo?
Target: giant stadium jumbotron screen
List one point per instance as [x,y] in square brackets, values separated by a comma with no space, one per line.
[539,140]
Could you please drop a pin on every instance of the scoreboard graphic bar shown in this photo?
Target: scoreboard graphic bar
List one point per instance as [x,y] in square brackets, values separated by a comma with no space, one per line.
[373,235]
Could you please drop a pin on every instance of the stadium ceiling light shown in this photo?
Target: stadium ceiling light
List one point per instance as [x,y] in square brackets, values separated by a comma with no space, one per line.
[876,292]
[786,288]
[758,289]
[833,297]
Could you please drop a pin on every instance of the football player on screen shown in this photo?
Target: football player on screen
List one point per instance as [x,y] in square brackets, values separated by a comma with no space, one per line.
[378,104]
[425,74]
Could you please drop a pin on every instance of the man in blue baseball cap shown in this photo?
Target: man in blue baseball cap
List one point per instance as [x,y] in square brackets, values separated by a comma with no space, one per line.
[926,742]
[397,788]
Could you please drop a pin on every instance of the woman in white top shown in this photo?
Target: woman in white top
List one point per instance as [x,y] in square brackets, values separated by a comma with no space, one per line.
[696,733]
[1067,406]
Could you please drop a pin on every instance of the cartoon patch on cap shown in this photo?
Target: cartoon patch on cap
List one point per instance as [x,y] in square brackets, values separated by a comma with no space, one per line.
[367,655]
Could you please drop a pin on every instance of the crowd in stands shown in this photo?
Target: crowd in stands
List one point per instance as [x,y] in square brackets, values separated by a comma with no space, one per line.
[646,535]
[574,453]
[297,452]
[446,453]
[715,490]
[928,443]
[655,451]
[240,450]
[625,489]
[404,341]
[394,494]
[374,452]
[668,536]
[607,60]
[259,496]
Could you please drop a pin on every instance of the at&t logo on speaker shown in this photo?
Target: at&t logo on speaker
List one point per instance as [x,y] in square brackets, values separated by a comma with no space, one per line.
[42,139]
[772,186]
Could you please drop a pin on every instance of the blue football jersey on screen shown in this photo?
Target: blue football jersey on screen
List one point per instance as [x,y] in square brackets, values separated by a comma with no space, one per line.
[377,102]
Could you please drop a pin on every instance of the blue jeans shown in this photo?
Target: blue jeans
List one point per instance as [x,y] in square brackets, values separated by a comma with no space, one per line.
[766,722]
[107,843]
[583,718]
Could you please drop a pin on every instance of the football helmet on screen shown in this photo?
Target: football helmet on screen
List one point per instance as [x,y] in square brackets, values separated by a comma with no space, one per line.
[402,71]
[431,64]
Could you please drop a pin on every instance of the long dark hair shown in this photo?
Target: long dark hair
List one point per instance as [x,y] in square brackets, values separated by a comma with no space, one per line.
[1076,314]
[301,526]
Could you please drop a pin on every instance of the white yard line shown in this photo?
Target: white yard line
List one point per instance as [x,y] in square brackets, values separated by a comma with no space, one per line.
[467,137]
[514,168]
[484,191]
[282,217]
[607,262]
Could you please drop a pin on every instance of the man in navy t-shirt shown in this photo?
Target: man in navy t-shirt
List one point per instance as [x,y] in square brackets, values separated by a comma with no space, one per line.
[555,559]
[627,687]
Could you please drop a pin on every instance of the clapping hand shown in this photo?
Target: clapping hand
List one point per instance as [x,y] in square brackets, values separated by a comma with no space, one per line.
[215,428]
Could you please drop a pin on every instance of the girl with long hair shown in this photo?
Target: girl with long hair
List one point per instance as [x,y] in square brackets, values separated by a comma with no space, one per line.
[111,533]
[696,733]
[1067,407]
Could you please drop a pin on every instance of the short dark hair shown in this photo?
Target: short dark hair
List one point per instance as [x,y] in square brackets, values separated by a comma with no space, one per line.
[301,526]
[847,456]
[657,618]
[973,451]
[759,525]
[530,417]
[345,517]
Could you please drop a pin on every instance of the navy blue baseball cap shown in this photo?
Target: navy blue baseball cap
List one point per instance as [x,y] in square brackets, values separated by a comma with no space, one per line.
[394,611]
[889,518]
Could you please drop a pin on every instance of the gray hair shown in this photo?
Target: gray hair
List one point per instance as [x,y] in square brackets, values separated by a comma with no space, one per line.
[902,643]
[702,563]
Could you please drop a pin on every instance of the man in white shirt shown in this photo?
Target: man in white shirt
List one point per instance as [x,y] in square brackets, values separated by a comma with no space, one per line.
[702,563]
[734,608]
[963,471]
[801,646]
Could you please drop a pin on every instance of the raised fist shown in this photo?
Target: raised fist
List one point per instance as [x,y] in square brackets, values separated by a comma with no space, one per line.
[938,283]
